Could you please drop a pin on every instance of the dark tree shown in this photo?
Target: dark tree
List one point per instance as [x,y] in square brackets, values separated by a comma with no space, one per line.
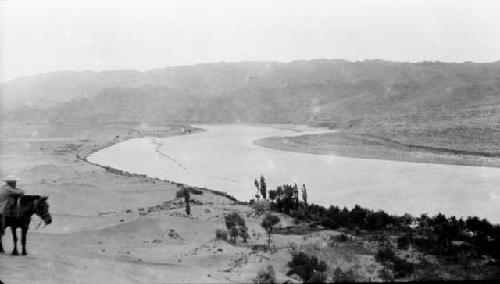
[235,225]
[263,187]
[256,183]
[233,234]
[295,197]
[187,197]
[243,233]
[304,194]
[273,194]
[306,267]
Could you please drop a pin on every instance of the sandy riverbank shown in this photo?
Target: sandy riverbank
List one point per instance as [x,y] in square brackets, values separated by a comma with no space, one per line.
[371,147]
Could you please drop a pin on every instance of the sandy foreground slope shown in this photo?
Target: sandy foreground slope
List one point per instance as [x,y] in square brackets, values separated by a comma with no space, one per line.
[103,229]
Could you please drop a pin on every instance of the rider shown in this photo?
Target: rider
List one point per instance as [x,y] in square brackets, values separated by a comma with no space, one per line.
[7,194]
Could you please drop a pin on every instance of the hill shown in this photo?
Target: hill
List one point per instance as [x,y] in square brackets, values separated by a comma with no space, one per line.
[405,101]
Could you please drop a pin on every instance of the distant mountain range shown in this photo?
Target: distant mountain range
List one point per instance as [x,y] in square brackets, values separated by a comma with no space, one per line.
[372,94]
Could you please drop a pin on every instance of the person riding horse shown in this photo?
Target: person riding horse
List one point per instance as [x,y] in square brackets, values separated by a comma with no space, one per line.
[8,193]
[17,214]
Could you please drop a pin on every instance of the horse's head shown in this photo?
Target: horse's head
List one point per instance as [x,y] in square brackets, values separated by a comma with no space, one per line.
[42,209]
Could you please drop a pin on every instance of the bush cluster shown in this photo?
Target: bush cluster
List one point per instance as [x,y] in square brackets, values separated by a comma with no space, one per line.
[343,276]
[221,234]
[309,268]
[341,238]
[236,227]
[405,240]
[434,235]
[357,218]
[401,267]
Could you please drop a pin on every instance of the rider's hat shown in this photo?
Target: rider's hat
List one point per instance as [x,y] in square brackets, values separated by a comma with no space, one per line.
[10,178]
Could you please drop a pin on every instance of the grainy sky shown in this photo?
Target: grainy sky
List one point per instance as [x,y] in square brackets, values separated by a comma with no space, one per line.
[47,35]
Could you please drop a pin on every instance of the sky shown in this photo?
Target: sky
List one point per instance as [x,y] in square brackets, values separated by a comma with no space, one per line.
[50,35]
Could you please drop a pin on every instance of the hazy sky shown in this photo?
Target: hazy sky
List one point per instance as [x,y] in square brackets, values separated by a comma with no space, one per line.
[42,35]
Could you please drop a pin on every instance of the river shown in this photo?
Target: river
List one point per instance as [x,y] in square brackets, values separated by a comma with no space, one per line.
[224,158]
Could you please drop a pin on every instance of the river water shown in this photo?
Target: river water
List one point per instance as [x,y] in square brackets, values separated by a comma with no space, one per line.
[224,158]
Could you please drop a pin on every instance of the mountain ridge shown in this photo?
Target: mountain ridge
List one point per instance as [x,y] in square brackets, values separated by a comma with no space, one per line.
[386,97]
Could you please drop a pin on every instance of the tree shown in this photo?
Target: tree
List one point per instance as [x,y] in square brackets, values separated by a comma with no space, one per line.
[286,199]
[267,223]
[279,198]
[295,197]
[273,194]
[235,225]
[187,197]
[243,233]
[221,234]
[263,187]
[309,268]
[304,194]
[233,234]
[358,216]
[257,196]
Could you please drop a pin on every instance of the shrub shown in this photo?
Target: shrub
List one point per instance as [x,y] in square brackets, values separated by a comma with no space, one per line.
[385,254]
[386,275]
[341,238]
[266,276]
[317,277]
[221,234]
[343,276]
[402,268]
[305,266]
[329,223]
[404,241]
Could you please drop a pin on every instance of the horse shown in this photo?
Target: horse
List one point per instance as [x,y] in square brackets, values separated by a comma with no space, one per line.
[20,217]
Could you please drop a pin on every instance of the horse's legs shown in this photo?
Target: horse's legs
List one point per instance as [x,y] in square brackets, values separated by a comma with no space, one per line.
[1,232]
[14,239]
[24,232]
